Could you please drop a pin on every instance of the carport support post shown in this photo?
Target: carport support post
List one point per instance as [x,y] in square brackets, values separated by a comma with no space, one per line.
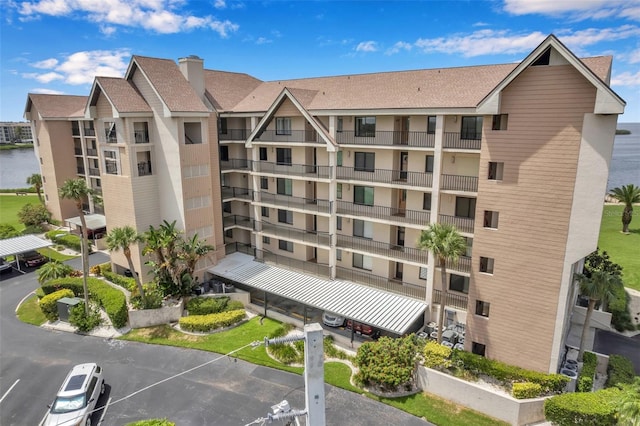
[265,304]
[314,374]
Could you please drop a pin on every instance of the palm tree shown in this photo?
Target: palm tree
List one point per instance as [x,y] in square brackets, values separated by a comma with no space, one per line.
[599,287]
[628,195]
[121,239]
[35,180]
[629,405]
[52,270]
[77,190]
[447,245]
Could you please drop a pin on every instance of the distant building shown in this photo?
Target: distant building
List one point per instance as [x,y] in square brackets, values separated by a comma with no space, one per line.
[12,132]
[314,191]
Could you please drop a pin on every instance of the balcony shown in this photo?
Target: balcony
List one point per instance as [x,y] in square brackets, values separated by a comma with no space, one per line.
[92,152]
[388,138]
[144,168]
[240,248]
[394,214]
[236,164]
[295,136]
[234,135]
[78,151]
[464,224]
[459,183]
[239,221]
[381,283]
[89,132]
[94,172]
[306,266]
[455,141]
[398,177]
[80,170]
[234,192]
[141,136]
[455,300]
[313,205]
[304,170]
[383,249]
[295,234]
[463,264]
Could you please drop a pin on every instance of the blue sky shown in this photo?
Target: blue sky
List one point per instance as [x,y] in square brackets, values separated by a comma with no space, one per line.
[58,46]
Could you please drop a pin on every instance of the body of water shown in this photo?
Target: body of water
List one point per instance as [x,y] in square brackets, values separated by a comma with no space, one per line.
[18,164]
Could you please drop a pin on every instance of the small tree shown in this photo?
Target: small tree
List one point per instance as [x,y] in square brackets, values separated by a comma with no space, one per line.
[52,270]
[34,215]
[8,231]
[387,363]
[121,239]
[629,405]
[35,180]
[627,195]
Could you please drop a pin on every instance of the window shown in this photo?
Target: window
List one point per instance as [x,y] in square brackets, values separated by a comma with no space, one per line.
[482,308]
[223,125]
[365,161]
[192,133]
[495,170]
[110,132]
[266,240]
[339,126]
[543,59]
[283,126]
[431,124]
[224,153]
[283,156]
[338,254]
[362,228]
[339,223]
[486,265]
[339,158]
[491,219]
[471,128]
[339,192]
[466,207]
[478,348]
[285,245]
[361,261]
[428,168]
[228,233]
[459,283]
[285,186]
[422,273]
[263,153]
[285,216]
[366,126]
[226,207]
[264,183]
[264,211]
[363,195]
[426,201]
[499,122]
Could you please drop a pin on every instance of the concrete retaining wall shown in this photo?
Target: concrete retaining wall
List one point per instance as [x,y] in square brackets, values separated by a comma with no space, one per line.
[151,317]
[504,407]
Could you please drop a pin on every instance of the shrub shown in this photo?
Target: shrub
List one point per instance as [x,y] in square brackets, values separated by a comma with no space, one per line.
[332,351]
[153,422]
[54,234]
[436,356]
[619,308]
[234,305]
[128,283]
[95,270]
[526,390]
[69,240]
[590,408]
[387,363]
[205,323]
[207,305]
[33,214]
[153,297]
[585,381]
[49,303]
[32,229]
[83,322]
[619,371]
[286,353]
[8,231]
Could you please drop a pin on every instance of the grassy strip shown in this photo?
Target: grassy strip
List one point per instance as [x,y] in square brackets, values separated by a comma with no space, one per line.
[8,147]
[54,254]
[30,312]
[11,205]
[622,248]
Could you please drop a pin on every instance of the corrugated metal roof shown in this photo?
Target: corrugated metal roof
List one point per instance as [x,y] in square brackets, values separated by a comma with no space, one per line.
[23,244]
[94,221]
[387,311]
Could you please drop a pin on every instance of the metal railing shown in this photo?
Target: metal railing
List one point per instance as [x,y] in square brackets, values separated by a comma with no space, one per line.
[236,164]
[381,283]
[94,172]
[307,204]
[234,134]
[400,177]
[292,169]
[235,192]
[388,138]
[80,170]
[89,132]
[306,266]
[294,234]
[303,136]
[459,183]
[463,264]
[455,141]
[141,136]
[239,221]
[463,224]
[453,299]
[416,217]
[237,247]
[78,151]
[92,152]
[144,168]
[380,248]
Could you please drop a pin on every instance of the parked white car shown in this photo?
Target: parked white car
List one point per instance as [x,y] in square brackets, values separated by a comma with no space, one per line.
[332,320]
[77,398]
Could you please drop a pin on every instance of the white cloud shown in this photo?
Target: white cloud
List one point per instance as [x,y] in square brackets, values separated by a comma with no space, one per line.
[220,4]
[367,46]
[160,16]
[401,45]
[626,79]
[44,78]
[263,40]
[46,91]
[633,57]
[576,9]
[46,64]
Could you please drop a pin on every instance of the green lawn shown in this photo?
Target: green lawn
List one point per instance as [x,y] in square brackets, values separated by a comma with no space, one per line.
[624,249]
[11,204]
[54,254]
[30,312]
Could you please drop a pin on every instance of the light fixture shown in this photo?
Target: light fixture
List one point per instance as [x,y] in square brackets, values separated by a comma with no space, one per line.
[453,159]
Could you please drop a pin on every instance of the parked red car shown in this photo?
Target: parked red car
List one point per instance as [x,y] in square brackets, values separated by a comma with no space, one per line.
[364,329]
[32,258]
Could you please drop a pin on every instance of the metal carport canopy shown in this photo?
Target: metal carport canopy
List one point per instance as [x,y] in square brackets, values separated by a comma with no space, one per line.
[94,221]
[386,311]
[17,245]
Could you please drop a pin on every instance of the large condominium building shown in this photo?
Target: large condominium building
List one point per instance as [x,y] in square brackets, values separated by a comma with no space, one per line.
[315,191]
[15,132]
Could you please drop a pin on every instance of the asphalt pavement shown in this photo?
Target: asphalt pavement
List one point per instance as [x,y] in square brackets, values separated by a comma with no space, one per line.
[608,343]
[149,381]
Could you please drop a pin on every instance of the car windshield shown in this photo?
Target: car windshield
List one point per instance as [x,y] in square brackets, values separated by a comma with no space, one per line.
[68,404]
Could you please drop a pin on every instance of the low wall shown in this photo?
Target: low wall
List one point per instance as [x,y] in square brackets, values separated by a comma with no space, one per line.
[503,407]
[150,317]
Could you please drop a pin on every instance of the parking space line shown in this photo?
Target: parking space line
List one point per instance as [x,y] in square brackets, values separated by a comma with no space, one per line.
[9,390]
[104,411]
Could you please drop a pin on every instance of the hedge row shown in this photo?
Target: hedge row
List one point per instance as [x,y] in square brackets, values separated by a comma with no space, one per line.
[550,383]
[588,408]
[110,299]
[49,303]
[585,381]
[526,390]
[128,283]
[205,323]
[619,370]
[436,355]
[212,305]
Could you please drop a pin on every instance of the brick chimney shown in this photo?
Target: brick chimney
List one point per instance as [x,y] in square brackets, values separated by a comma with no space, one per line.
[193,70]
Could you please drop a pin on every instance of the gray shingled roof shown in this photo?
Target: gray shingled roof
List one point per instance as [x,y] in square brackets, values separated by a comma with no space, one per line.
[123,95]
[58,106]
[226,89]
